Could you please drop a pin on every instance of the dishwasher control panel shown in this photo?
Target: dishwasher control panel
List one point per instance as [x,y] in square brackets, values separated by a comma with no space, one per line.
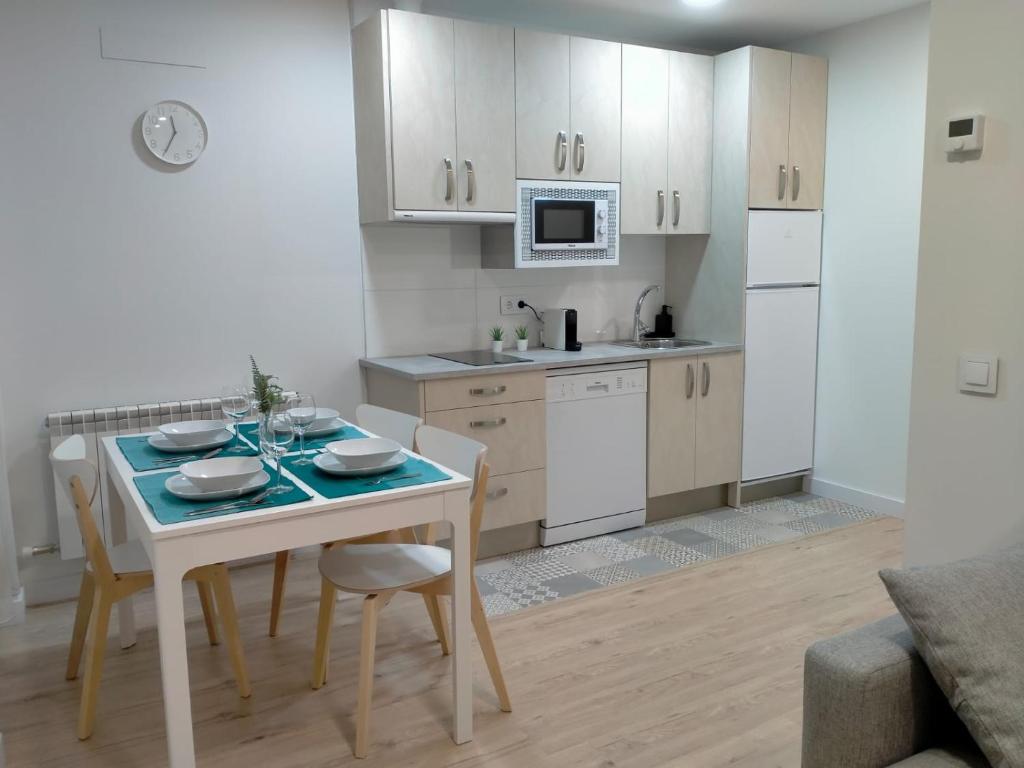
[587,386]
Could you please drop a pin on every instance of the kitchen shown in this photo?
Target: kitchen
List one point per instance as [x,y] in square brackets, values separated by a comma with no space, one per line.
[635,209]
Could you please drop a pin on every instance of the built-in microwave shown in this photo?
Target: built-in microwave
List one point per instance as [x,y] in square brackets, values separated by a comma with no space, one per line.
[566,223]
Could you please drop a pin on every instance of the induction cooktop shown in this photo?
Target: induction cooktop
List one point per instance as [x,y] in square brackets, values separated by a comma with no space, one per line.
[480,357]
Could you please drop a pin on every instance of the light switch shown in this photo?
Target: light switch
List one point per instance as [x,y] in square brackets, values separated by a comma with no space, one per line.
[979,374]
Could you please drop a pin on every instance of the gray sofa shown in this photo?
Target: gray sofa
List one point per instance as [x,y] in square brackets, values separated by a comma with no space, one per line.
[870,702]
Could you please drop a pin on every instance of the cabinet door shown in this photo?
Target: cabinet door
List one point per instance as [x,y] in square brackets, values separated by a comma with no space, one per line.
[485,110]
[808,99]
[596,112]
[691,98]
[422,111]
[542,105]
[719,419]
[671,425]
[769,128]
[645,139]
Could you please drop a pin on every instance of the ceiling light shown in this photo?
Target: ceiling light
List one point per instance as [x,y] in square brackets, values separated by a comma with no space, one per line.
[701,3]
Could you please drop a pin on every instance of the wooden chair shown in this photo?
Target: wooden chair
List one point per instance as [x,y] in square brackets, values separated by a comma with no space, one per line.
[113,574]
[380,570]
[400,427]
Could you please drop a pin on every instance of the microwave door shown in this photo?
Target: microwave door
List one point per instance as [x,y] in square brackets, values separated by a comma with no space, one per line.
[562,224]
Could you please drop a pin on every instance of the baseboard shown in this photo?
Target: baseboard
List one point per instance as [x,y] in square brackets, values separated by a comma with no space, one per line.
[883,505]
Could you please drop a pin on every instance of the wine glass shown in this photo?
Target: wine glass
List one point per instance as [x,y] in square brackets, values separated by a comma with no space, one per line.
[234,401]
[302,409]
[276,436]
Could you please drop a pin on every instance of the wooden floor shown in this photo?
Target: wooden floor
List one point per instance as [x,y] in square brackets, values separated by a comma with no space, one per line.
[697,667]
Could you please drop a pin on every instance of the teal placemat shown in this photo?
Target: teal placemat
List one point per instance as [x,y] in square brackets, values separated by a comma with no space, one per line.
[251,432]
[334,486]
[168,509]
[144,457]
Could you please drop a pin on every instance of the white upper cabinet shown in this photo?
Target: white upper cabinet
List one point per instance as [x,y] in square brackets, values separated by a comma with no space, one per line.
[788,94]
[645,139]
[568,107]
[666,141]
[435,111]
[485,88]
[691,114]
[423,111]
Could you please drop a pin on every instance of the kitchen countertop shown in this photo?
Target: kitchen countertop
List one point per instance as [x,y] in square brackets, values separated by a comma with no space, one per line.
[423,367]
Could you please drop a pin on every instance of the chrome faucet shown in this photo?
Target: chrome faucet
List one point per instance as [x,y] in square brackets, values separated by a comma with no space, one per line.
[639,326]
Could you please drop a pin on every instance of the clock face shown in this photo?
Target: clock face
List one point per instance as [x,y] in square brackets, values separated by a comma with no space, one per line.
[174,132]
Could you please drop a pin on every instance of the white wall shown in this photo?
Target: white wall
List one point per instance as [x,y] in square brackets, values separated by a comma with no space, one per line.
[875,138]
[426,292]
[123,281]
[965,481]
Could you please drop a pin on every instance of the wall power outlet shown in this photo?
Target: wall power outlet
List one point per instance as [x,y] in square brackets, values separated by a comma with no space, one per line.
[510,305]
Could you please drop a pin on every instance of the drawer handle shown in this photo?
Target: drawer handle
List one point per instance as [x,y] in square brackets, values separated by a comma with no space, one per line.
[707,380]
[690,380]
[497,493]
[488,391]
[500,422]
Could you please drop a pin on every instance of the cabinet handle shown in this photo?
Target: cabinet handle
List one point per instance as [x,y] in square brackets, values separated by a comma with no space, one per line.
[782,182]
[581,152]
[488,423]
[705,388]
[562,147]
[487,391]
[470,181]
[796,181]
[661,207]
[691,381]
[449,177]
[675,207]
[497,493]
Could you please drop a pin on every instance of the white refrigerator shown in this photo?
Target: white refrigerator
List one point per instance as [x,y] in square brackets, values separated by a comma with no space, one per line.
[781,345]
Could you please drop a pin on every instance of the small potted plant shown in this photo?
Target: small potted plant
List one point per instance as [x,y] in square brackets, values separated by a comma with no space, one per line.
[522,338]
[497,337]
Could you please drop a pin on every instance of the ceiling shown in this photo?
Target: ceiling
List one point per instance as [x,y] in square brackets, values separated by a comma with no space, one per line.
[671,23]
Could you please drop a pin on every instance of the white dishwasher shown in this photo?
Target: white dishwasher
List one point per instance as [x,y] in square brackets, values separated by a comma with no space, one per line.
[597,451]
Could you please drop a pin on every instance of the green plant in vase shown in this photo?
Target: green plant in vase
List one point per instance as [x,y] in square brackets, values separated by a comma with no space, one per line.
[265,392]
[522,337]
[497,337]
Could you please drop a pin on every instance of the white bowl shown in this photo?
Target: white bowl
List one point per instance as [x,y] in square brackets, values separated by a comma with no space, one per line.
[364,452]
[221,474]
[191,432]
[324,418]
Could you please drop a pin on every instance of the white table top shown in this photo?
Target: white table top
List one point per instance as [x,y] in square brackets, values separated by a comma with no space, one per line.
[118,465]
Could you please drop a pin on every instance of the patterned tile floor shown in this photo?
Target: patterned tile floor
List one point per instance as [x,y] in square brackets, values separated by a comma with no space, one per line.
[537,576]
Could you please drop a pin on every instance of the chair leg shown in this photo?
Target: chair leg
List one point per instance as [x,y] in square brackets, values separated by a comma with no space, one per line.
[483,635]
[323,634]
[82,614]
[280,571]
[371,612]
[97,647]
[209,610]
[438,617]
[229,618]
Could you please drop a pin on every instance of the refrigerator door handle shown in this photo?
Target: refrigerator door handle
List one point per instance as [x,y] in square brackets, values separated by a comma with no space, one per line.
[773,286]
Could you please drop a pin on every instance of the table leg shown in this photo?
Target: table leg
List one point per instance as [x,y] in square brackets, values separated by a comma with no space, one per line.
[462,676]
[170,620]
[119,535]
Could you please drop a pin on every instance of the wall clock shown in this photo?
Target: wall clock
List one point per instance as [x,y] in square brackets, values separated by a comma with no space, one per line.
[174,132]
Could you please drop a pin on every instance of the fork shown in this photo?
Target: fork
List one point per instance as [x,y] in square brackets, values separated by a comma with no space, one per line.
[382,480]
[260,498]
[191,457]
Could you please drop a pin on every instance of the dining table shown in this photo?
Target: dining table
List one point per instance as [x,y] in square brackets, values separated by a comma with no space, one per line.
[175,548]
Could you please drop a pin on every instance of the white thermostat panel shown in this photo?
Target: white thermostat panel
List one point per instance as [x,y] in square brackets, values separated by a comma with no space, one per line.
[965,134]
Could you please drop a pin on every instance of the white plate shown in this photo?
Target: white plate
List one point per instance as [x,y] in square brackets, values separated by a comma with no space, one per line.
[182,487]
[333,466]
[334,426]
[161,443]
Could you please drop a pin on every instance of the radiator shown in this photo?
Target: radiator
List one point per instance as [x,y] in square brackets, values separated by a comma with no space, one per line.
[98,423]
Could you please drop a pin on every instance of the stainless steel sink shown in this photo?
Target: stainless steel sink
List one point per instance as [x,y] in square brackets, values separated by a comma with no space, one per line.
[661,343]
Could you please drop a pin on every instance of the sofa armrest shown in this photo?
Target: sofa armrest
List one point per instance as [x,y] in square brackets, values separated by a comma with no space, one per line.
[869,700]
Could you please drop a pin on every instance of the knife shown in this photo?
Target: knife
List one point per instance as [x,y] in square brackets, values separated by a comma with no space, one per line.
[256,500]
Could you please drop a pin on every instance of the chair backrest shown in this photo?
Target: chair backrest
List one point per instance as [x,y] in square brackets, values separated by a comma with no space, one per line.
[383,422]
[465,456]
[73,470]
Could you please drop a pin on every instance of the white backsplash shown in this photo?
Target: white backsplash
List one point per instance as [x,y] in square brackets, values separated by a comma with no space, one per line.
[425,290]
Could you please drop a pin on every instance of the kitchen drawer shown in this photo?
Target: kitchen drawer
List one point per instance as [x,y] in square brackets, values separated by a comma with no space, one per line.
[512,432]
[468,391]
[516,498]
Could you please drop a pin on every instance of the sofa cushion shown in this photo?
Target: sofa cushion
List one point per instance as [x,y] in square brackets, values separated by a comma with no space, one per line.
[967,619]
[944,758]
